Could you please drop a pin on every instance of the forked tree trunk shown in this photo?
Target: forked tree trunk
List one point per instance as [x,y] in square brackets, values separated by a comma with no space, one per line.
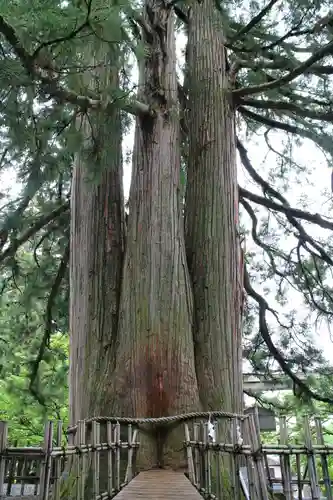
[155,369]
[211,213]
[138,347]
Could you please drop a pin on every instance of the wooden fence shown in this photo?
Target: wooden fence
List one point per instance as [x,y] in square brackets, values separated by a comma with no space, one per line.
[258,469]
[43,472]
[291,471]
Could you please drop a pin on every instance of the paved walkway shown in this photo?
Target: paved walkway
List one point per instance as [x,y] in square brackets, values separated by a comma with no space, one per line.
[159,484]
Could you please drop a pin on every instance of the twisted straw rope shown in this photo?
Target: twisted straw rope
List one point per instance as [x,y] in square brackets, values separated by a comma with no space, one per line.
[160,420]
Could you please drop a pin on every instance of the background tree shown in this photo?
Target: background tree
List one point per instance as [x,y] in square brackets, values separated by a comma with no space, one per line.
[33,387]
[69,89]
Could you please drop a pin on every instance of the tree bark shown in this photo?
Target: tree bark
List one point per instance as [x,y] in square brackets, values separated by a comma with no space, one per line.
[97,246]
[138,347]
[155,370]
[211,214]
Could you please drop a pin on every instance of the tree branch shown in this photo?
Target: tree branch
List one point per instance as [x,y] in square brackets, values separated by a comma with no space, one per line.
[254,21]
[287,210]
[280,63]
[267,248]
[263,327]
[288,106]
[291,213]
[180,14]
[39,224]
[33,386]
[44,71]
[68,37]
[255,89]
[322,141]
[308,285]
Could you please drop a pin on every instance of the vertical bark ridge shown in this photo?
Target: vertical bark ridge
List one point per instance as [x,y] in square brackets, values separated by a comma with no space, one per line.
[155,356]
[211,236]
[97,246]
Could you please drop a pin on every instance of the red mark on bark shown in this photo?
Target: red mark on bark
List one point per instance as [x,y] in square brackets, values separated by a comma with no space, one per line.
[158,375]
[158,399]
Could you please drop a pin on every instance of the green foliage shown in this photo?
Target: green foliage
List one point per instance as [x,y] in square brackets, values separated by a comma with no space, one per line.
[295,410]
[24,402]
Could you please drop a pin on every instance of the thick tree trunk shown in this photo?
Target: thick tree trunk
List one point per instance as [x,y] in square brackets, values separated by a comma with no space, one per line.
[97,246]
[132,318]
[211,214]
[155,369]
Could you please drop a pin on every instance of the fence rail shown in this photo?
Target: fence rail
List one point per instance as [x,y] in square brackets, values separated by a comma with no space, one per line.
[105,450]
[260,471]
[49,471]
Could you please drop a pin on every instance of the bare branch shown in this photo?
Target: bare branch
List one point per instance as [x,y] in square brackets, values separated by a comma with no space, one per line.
[266,187]
[294,212]
[270,251]
[322,141]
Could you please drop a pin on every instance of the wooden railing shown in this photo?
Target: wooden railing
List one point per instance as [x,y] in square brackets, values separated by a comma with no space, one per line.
[259,471]
[51,470]
[105,449]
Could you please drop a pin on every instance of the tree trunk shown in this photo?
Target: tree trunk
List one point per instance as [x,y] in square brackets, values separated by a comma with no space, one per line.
[155,370]
[97,246]
[132,317]
[211,214]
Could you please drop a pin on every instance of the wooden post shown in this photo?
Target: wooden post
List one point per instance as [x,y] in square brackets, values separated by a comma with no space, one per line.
[94,461]
[47,461]
[118,445]
[110,458]
[129,454]
[3,446]
[323,458]
[285,461]
[81,430]
[208,477]
[250,462]
[24,471]
[57,468]
[315,490]
[38,466]
[196,432]
[299,477]
[190,463]
[11,472]
[236,465]
[259,472]
[129,472]
[98,454]
[78,462]
[218,462]
[254,423]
